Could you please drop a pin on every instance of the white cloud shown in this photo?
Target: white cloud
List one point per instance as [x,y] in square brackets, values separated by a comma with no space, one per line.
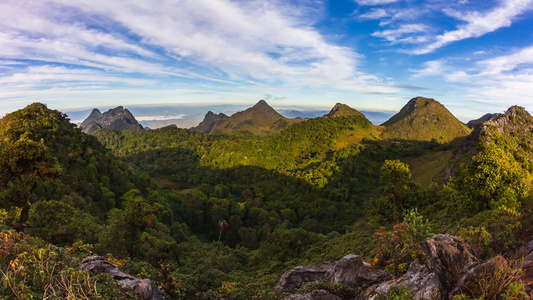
[218,40]
[374,14]
[374,2]
[500,81]
[432,68]
[478,24]
[510,62]
[399,35]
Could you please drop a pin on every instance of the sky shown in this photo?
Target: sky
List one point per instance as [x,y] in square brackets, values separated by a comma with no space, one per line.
[472,56]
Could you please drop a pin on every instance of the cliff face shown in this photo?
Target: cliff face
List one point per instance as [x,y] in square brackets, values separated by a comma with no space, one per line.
[210,120]
[116,118]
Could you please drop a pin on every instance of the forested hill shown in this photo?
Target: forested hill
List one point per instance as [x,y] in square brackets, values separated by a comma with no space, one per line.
[423,119]
[260,119]
[217,216]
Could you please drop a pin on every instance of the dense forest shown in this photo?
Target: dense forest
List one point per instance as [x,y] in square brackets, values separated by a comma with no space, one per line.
[222,216]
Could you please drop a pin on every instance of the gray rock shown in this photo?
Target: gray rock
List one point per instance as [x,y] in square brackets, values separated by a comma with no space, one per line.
[349,270]
[142,288]
[352,271]
[100,265]
[291,280]
[447,256]
[314,295]
[418,279]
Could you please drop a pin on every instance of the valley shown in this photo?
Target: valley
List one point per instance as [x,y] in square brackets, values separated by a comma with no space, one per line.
[224,209]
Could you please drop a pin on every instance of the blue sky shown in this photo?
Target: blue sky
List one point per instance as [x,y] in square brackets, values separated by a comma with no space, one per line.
[472,56]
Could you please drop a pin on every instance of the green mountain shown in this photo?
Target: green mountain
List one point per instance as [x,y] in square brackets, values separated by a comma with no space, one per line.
[505,137]
[424,119]
[260,119]
[343,110]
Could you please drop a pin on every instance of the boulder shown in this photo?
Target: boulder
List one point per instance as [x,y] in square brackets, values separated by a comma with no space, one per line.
[352,271]
[314,295]
[141,288]
[100,265]
[446,257]
[291,280]
[418,279]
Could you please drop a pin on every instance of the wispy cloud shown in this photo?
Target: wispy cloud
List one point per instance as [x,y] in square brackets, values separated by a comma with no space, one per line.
[501,80]
[406,33]
[374,2]
[479,23]
[222,41]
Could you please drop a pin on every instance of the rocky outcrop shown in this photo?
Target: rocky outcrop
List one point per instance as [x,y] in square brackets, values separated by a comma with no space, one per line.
[143,289]
[116,118]
[418,279]
[210,120]
[447,256]
[314,295]
[291,280]
[353,272]
[350,270]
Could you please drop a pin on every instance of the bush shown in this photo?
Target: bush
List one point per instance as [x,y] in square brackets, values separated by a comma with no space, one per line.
[48,273]
[401,245]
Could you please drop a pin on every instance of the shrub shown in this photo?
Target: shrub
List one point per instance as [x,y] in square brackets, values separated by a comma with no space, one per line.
[478,238]
[28,271]
[494,281]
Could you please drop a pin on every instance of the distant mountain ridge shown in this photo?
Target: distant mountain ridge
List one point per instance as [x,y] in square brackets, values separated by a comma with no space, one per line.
[116,118]
[484,118]
[423,119]
[260,119]
[209,122]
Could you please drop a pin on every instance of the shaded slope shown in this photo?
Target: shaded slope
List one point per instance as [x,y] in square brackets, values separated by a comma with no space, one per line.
[423,119]
[261,119]
[484,118]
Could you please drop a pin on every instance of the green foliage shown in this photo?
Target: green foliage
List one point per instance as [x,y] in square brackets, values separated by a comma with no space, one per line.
[47,272]
[479,239]
[397,248]
[515,291]
[394,293]
[491,181]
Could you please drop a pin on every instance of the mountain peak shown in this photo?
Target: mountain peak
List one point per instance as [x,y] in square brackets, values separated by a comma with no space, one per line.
[210,120]
[117,118]
[341,110]
[260,119]
[424,119]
